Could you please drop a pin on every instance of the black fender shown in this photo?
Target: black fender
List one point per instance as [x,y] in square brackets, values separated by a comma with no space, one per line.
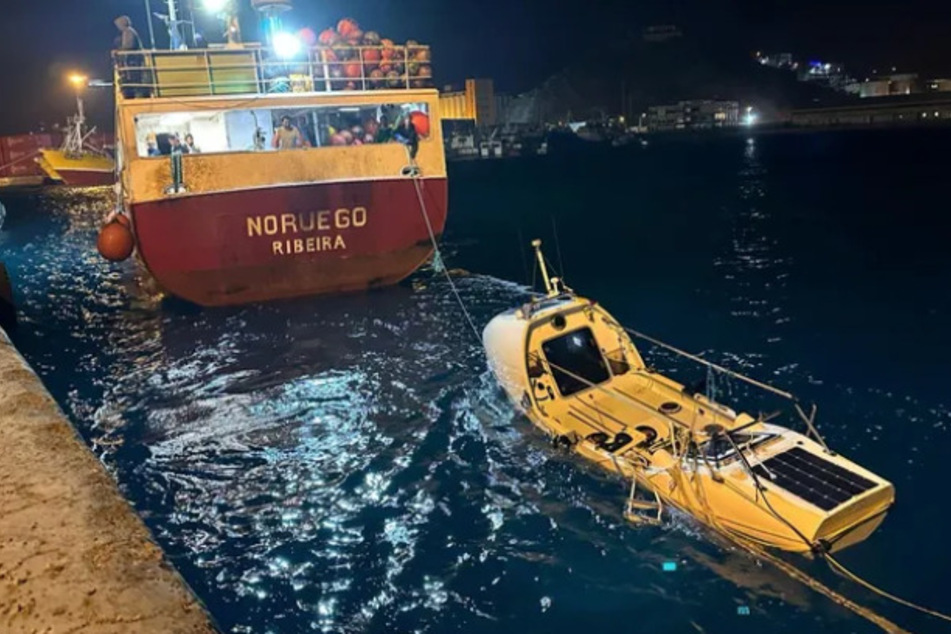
[8,313]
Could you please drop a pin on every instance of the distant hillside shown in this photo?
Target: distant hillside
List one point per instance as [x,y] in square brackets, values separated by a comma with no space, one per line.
[628,76]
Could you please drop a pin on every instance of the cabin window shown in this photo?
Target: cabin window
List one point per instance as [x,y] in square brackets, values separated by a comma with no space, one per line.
[259,129]
[576,361]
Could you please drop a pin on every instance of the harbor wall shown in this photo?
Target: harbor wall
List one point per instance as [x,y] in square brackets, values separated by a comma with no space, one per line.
[74,556]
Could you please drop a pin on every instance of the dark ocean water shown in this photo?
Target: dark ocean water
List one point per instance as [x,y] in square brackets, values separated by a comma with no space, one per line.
[347,465]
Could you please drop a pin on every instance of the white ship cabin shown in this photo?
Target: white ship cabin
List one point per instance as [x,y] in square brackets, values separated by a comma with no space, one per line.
[229,99]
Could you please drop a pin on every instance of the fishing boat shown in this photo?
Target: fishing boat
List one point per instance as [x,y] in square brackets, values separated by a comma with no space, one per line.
[78,162]
[254,172]
[576,373]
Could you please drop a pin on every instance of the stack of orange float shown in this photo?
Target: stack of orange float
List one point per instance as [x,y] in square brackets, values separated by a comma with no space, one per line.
[358,60]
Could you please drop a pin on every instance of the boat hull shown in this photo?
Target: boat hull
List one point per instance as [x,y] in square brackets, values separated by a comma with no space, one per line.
[277,242]
[87,178]
[88,170]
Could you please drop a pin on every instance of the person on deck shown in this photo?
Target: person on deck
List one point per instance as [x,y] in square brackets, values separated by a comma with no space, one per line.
[190,146]
[129,40]
[151,145]
[287,137]
[407,135]
[175,143]
[385,133]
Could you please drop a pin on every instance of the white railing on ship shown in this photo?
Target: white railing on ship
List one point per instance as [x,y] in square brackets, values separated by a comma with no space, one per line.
[137,73]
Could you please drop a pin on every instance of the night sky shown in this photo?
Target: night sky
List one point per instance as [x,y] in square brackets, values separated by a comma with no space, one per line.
[517,42]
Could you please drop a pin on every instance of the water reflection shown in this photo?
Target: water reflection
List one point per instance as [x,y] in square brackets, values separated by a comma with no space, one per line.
[348,465]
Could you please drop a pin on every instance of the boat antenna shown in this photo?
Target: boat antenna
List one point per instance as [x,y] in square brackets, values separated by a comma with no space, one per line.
[148,14]
[551,283]
[175,40]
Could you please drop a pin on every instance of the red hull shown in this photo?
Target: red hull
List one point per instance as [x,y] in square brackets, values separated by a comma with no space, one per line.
[279,242]
[86,178]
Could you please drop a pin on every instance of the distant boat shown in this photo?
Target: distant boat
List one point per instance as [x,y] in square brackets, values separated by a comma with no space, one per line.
[78,162]
[85,169]
[587,133]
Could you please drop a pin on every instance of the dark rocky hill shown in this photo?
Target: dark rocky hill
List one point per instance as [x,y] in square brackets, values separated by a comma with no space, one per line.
[626,76]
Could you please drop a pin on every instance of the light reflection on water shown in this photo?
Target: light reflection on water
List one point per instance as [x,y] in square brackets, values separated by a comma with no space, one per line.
[348,465]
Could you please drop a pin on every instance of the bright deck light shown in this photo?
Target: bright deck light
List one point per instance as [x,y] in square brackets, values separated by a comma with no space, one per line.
[215,6]
[286,45]
[77,80]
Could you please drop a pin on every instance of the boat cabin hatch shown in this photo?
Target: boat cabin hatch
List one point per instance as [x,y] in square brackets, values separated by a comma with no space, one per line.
[577,360]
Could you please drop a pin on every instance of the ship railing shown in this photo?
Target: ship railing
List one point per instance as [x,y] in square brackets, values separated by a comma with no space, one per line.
[254,69]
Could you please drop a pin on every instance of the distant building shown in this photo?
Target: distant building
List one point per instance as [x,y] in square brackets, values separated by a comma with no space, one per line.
[777,60]
[888,85]
[903,84]
[661,33]
[503,105]
[476,102]
[938,85]
[831,74]
[895,110]
[693,115]
[874,88]
[853,88]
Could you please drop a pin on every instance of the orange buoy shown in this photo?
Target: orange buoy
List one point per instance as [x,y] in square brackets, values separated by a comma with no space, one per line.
[328,37]
[123,220]
[115,241]
[353,71]
[347,26]
[420,122]
[307,36]
[371,56]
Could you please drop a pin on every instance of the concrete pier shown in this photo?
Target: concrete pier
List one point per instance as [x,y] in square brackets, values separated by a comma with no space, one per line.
[74,556]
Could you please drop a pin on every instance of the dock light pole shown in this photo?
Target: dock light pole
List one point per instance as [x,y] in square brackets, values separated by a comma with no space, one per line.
[79,82]
[73,143]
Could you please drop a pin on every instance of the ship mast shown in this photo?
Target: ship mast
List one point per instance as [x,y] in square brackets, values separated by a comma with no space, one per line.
[75,135]
[176,41]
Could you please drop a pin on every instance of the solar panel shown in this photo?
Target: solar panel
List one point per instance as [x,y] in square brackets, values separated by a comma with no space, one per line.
[813,478]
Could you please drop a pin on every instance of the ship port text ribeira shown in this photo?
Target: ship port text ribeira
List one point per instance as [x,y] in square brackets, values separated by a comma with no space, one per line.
[285,225]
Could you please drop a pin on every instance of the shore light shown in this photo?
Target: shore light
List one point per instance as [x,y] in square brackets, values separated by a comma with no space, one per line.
[750,116]
[286,45]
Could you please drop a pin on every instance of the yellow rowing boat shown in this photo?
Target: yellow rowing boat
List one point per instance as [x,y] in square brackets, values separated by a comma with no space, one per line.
[577,375]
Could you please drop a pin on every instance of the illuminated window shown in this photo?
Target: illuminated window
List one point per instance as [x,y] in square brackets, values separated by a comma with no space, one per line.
[264,129]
